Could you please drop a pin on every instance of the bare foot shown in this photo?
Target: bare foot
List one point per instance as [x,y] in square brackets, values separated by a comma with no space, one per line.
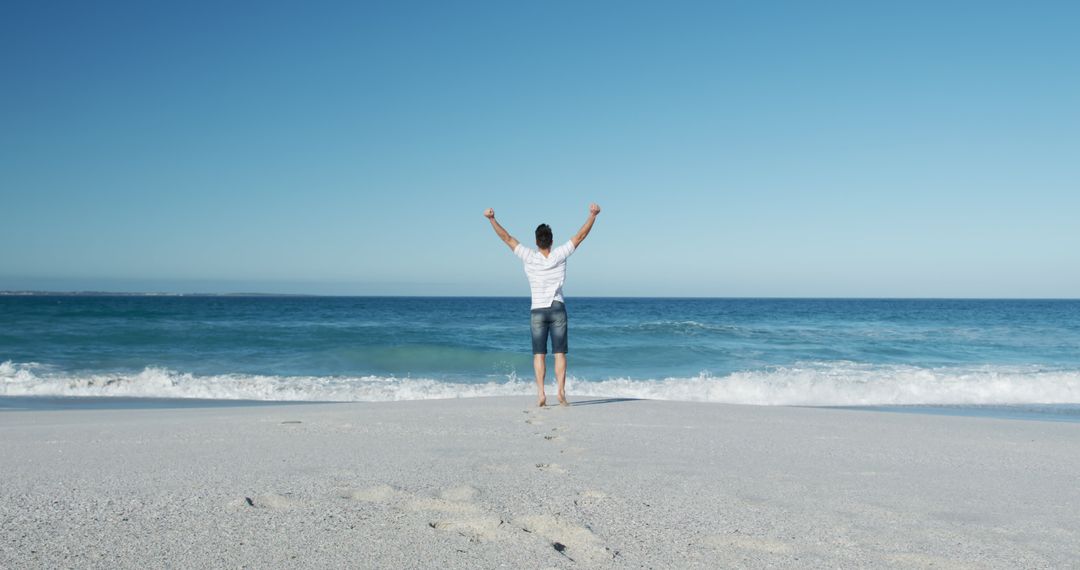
[542,402]
[562,399]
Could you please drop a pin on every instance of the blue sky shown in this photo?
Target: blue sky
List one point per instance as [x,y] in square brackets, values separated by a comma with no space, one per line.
[738,148]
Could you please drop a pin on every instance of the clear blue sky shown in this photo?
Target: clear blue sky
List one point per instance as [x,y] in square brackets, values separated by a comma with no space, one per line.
[738,148]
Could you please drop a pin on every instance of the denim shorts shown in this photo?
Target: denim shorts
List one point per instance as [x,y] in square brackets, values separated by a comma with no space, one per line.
[551,320]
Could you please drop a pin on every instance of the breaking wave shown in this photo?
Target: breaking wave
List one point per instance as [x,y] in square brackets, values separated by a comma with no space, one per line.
[811,384]
[841,383]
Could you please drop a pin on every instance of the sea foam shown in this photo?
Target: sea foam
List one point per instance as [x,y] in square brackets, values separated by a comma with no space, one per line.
[810,384]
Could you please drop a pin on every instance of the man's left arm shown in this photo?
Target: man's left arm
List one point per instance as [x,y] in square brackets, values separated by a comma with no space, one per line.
[594,210]
[502,233]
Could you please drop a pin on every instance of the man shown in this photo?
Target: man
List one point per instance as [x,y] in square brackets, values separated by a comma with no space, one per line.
[546,270]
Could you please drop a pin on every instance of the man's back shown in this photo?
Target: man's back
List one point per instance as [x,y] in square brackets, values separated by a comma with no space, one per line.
[546,274]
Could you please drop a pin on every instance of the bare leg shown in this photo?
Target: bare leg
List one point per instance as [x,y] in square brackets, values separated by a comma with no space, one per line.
[560,376]
[540,366]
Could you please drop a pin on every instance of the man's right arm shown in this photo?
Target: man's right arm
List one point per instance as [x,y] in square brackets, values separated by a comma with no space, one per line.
[502,233]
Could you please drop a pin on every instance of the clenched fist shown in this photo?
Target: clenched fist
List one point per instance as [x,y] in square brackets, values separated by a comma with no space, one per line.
[489,213]
[594,208]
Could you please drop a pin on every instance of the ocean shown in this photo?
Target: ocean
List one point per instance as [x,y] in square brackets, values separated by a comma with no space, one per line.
[1008,358]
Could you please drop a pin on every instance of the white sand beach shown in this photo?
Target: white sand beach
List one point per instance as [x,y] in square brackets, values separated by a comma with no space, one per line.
[493,482]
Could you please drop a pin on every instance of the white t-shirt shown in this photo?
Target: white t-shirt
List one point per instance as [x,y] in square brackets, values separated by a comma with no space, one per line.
[546,274]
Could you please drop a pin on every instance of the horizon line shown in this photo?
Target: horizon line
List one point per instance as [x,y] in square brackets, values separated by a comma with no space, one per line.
[94,293]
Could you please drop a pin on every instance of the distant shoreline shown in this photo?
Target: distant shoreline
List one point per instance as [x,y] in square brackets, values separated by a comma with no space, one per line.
[145,294]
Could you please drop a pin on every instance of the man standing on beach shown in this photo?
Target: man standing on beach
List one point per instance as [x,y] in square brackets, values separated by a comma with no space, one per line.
[546,270]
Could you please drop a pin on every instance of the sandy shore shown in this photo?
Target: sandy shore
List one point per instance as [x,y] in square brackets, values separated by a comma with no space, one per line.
[484,483]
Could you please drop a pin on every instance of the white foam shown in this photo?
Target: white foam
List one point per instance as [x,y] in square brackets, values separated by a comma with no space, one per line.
[853,384]
[812,384]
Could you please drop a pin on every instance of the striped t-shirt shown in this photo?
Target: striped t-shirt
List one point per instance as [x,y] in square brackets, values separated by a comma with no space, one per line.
[546,274]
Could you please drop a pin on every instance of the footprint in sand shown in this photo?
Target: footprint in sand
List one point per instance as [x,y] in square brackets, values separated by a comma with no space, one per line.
[450,500]
[270,501]
[470,520]
[442,506]
[550,467]
[456,512]
[589,498]
[459,493]
[376,494]
[476,529]
[455,507]
[461,515]
[577,543]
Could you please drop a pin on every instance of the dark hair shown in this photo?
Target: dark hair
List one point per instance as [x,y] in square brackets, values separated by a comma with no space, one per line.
[543,236]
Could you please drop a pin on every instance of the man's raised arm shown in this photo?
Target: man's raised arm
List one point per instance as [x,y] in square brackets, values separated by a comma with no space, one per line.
[594,211]
[503,234]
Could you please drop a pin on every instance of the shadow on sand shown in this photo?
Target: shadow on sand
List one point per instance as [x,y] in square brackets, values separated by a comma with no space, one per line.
[602,401]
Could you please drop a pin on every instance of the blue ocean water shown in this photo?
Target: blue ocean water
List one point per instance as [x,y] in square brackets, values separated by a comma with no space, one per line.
[821,352]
